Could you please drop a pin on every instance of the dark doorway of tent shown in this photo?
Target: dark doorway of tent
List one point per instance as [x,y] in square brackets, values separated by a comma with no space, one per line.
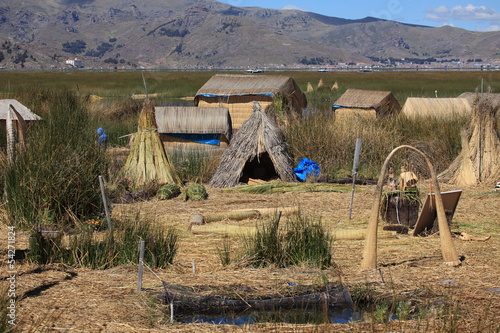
[260,168]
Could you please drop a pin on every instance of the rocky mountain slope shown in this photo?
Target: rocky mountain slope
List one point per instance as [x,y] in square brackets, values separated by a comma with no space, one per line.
[209,34]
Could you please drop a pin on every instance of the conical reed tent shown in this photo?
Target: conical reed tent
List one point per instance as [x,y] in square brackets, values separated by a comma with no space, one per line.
[258,148]
[479,160]
[147,161]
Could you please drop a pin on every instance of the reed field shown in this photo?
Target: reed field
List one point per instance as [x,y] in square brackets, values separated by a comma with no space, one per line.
[85,278]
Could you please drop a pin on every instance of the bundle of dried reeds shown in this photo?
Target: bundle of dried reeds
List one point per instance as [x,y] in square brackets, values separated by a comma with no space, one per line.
[479,160]
[147,161]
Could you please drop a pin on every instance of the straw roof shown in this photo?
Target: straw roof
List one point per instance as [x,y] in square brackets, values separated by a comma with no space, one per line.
[191,119]
[257,135]
[472,97]
[225,85]
[20,108]
[436,107]
[383,102]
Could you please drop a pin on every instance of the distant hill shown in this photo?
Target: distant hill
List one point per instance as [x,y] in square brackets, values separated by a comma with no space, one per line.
[43,34]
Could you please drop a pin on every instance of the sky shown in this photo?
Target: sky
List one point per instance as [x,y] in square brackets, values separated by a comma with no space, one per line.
[474,15]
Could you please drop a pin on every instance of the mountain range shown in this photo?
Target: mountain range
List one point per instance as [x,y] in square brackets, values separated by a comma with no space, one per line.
[190,34]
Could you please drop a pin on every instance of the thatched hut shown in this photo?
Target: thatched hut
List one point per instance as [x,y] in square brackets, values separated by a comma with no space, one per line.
[238,92]
[26,114]
[188,128]
[436,107]
[366,103]
[258,150]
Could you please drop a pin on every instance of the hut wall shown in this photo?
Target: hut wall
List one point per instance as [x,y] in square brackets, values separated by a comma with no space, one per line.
[177,146]
[347,114]
[240,107]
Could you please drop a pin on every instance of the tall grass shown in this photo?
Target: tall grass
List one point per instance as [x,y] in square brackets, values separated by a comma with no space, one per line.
[332,143]
[56,178]
[86,248]
[195,165]
[298,241]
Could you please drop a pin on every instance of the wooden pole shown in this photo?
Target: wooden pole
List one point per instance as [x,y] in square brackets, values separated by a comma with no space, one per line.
[106,208]
[141,265]
[448,250]
[354,172]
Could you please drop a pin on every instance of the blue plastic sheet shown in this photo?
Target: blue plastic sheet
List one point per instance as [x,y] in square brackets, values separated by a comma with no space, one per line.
[209,139]
[305,168]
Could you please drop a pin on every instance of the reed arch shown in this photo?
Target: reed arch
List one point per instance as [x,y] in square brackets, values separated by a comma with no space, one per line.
[369,260]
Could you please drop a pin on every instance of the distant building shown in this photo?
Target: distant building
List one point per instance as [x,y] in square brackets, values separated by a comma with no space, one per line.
[75,62]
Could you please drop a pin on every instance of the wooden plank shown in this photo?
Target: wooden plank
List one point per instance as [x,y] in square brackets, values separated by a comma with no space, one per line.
[428,213]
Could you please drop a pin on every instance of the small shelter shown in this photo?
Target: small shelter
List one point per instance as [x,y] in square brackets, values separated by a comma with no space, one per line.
[366,103]
[20,108]
[15,117]
[190,128]
[258,150]
[238,92]
[436,107]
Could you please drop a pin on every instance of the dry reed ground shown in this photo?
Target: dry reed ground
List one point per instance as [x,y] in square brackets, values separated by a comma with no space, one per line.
[106,300]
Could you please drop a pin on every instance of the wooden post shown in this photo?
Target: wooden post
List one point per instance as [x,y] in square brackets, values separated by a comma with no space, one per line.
[141,265]
[355,172]
[194,266]
[105,203]
[172,312]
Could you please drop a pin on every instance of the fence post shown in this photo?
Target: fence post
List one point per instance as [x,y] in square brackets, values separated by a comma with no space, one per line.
[141,265]
[357,152]
[105,203]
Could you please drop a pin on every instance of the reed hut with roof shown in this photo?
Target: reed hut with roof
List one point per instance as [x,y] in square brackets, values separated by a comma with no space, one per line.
[15,118]
[415,107]
[13,104]
[257,151]
[366,103]
[185,129]
[238,92]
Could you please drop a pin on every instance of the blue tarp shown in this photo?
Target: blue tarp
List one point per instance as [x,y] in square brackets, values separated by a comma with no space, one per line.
[305,168]
[209,139]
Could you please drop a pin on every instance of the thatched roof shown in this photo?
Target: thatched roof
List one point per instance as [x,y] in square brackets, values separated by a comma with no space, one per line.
[193,120]
[256,136]
[23,110]
[436,107]
[472,97]
[383,102]
[224,85]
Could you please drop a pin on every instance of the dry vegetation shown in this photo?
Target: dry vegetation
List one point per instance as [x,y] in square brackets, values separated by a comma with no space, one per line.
[58,298]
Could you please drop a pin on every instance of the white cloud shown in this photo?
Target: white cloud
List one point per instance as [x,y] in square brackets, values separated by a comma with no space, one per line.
[493,27]
[463,13]
[293,7]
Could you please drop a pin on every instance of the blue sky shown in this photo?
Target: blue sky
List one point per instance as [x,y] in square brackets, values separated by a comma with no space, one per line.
[474,15]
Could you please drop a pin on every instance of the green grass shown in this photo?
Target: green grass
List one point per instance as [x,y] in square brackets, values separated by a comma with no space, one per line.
[55,179]
[87,248]
[298,241]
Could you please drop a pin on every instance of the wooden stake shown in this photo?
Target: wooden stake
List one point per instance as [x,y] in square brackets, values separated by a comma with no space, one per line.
[141,265]
[106,208]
